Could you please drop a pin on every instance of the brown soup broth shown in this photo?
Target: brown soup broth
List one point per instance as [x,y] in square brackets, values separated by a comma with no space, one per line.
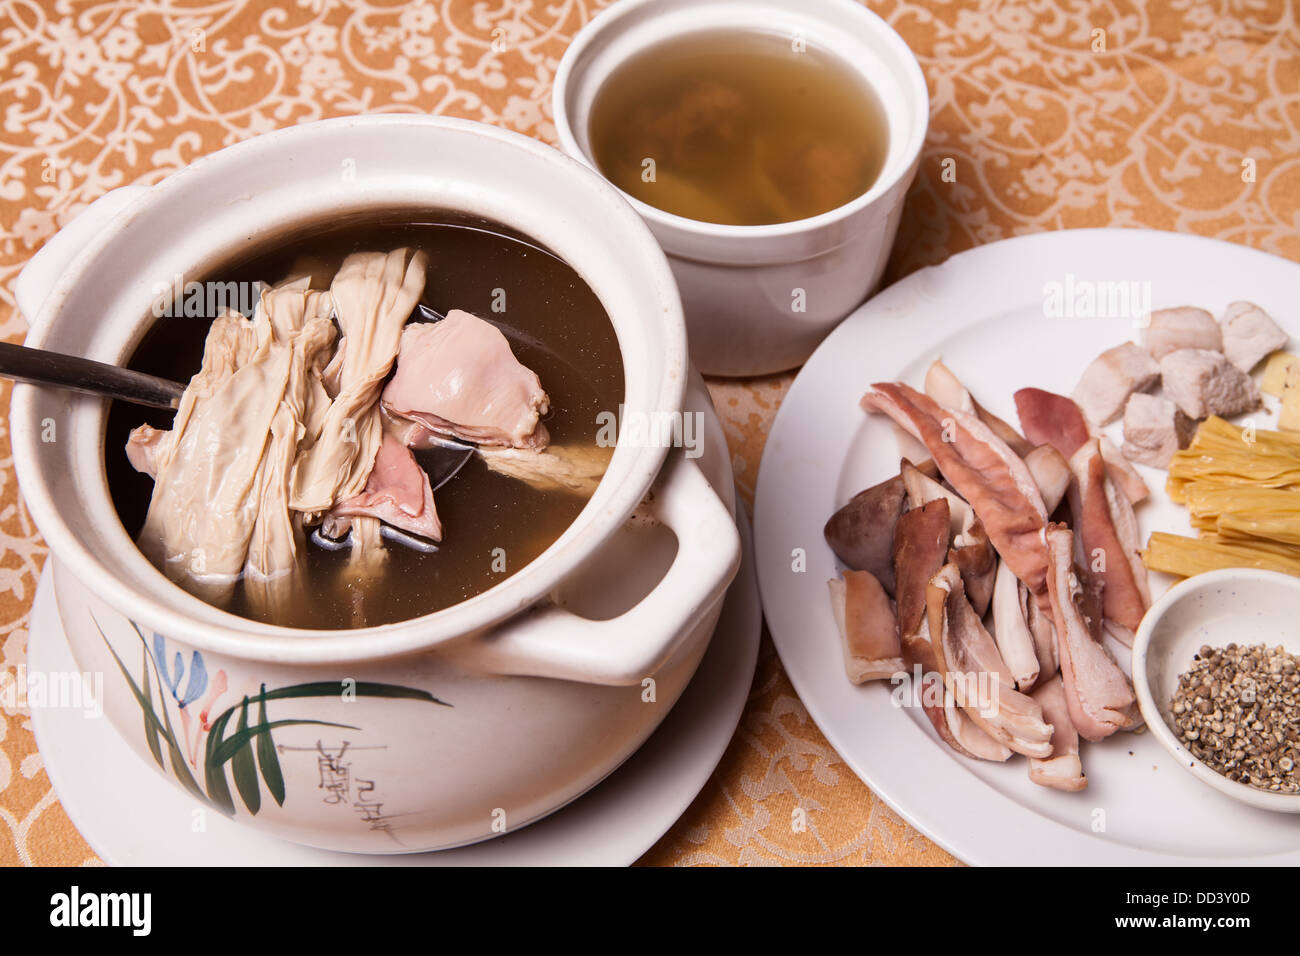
[556,326]
[742,128]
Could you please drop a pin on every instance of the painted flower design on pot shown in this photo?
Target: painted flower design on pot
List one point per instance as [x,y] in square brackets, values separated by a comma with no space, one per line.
[197,682]
[246,754]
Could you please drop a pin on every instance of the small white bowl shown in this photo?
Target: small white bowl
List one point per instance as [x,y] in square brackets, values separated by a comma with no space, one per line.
[1237,605]
[738,283]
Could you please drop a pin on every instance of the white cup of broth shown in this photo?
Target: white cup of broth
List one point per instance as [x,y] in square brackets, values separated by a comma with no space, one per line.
[767,144]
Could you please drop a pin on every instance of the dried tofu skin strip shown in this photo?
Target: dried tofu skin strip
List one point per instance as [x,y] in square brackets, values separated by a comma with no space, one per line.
[1231,456]
[1246,512]
[1184,557]
[373,294]
[1241,486]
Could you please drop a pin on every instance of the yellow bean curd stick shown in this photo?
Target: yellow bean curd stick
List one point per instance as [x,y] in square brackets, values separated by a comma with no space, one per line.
[1229,456]
[1263,512]
[1242,489]
[1183,556]
[1283,531]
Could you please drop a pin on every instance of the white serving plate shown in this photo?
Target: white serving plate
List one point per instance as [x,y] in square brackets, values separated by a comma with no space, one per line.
[983,312]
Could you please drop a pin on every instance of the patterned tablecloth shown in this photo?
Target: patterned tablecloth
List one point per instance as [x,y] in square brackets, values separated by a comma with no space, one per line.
[1182,115]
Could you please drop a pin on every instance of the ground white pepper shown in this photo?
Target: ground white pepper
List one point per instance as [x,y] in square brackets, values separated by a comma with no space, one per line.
[1237,709]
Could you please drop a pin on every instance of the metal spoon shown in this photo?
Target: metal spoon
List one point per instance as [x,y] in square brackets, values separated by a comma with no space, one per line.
[442,458]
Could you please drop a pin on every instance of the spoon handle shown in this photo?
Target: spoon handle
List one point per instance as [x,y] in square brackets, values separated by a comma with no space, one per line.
[40,367]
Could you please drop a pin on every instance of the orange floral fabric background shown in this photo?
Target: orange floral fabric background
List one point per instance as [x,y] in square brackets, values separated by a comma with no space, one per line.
[1047,115]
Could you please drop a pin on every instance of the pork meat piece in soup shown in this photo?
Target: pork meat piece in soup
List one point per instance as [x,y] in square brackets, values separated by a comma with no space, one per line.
[397,494]
[458,378]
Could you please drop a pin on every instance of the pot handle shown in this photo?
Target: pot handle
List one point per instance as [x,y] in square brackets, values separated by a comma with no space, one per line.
[554,642]
[42,272]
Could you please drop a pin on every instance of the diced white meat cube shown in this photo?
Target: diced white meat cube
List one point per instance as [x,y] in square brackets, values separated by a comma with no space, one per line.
[1249,334]
[1112,377]
[1203,383]
[1155,428]
[1185,327]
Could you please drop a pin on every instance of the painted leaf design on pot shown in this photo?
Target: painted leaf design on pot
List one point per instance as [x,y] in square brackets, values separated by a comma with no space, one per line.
[267,760]
[150,727]
[250,748]
[243,768]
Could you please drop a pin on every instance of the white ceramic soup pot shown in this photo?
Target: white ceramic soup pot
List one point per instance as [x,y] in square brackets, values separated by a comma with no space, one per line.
[760,299]
[433,732]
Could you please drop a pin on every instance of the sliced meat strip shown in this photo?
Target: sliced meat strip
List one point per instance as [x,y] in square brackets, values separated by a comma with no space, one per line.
[1121,470]
[973,553]
[923,487]
[920,547]
[1044,632]
[946,389]
[1011,628]
[1051,473]
[983,470]
[1108,532]
[975,674]
[868,627]
[1051,419]
[1098,695]
[971,549]
[959,731]
[1063,769]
